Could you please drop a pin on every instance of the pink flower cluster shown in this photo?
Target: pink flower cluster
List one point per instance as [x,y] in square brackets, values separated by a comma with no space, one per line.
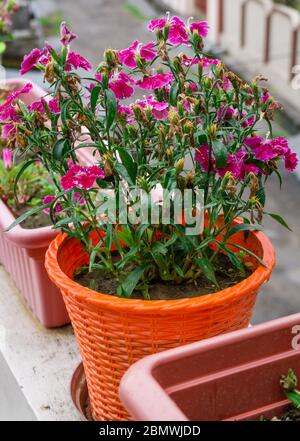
[9,113]
[36,56]
[158,109]
[178,31]
[81,177]
[145,52]
[249,157]
[266,150]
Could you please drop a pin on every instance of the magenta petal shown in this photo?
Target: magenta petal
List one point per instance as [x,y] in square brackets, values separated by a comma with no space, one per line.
[30,61]
[157,24]
[201,27]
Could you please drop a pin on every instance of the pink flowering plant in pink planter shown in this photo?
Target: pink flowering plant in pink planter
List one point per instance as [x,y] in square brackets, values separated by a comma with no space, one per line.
[195,128]
[31,188]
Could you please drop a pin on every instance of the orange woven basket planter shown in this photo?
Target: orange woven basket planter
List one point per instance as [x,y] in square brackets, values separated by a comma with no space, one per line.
[114,332]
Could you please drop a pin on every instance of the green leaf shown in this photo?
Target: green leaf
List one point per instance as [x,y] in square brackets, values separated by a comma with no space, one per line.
[111,108]
[207,269]
[131,281]
[2,47]
[201,137]
[178,270]
[108,237]
[220,153]
[173,94]
[261,195]
[25,215]
[243,227]
[280,220]
[294,397]
[124,235]
[129,164]
[122,170]
[159,248]
[24,166]
[239,247]
[60,149]
[64,113]
[94,97]
[232,257]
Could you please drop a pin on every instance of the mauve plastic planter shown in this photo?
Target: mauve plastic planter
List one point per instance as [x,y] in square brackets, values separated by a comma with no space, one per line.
[22,252]
[230,377]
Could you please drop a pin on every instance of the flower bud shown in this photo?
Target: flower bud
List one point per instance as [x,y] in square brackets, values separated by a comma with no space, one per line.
[207,83]
[178,65]
[169,153]
[49,71]
[179,165]
[132,131]
[142,182]
[235,80]
[107,169]
[166,31]
[220,70]
[189,178]
[229,183]
[200,68]
[212,131]
[174,117]
[188,127]
[111,57]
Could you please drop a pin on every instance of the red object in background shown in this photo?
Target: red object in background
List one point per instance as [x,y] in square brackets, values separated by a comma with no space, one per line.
[230,377]
[202,5]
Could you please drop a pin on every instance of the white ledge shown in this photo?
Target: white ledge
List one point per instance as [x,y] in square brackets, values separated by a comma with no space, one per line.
[36,363]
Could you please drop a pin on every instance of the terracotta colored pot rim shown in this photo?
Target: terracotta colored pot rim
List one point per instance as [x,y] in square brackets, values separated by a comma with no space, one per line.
[69,286]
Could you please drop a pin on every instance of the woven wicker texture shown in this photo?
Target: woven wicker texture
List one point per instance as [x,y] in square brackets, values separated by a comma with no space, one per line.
[113,332]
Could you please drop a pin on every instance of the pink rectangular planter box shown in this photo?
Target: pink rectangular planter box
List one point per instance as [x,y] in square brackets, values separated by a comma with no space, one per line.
[230,377]
[22,252]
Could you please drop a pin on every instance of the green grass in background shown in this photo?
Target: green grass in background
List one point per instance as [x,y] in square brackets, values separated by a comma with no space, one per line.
[51,23]
[135,12]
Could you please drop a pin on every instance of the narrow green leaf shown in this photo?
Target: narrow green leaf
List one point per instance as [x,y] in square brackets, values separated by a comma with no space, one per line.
[173,94]
[239,247]
[94,97]
[25,215]
[243,227]
[294,398]
[131,281]
[129,163]
[280,220]
[21,170]
[122,170]
[111,108]
[232,257]
[207,269]
[60,149]
[220,153]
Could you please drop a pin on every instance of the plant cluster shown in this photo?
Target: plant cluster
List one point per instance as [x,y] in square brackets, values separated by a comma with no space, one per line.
[195,128]
[7,9]
[32,187]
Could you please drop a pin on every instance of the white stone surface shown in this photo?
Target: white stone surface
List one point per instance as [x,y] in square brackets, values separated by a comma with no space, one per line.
[40,360]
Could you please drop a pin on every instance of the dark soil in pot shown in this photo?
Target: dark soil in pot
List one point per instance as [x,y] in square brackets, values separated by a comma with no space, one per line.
[291,415]
[227,276]
[36,221]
